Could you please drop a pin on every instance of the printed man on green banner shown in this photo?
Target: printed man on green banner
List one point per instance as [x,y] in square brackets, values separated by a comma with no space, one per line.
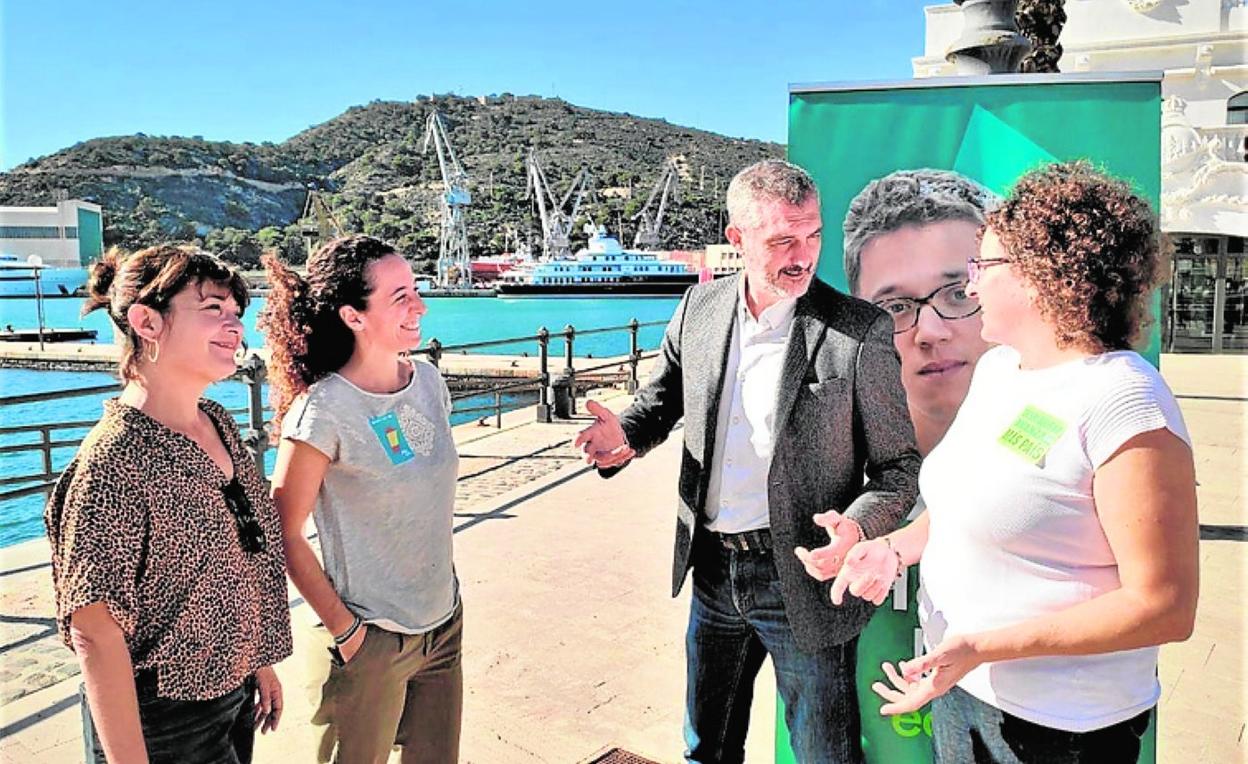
[907,238]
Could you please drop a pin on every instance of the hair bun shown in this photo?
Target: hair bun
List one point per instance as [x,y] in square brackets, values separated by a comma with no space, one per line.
[100,279]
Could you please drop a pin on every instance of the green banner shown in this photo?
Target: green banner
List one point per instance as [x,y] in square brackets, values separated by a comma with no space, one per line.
[992,133]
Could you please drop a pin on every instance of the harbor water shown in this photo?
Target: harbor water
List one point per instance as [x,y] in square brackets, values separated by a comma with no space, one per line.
[450,320]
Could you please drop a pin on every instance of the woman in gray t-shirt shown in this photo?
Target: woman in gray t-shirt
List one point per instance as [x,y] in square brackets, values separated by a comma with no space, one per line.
[366,449]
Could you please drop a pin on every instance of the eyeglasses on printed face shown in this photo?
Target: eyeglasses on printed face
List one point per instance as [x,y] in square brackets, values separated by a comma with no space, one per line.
[250,534]
[950,302]
[976,265]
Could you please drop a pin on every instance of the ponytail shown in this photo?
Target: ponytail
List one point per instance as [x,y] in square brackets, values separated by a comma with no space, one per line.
[100,278]
[287,323]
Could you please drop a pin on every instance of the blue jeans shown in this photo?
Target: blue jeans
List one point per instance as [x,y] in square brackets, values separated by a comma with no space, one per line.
[966,729]
[736,619]
[218,731]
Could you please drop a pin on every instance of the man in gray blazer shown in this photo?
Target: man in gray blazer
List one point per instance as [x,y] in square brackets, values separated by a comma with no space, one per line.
[796,435]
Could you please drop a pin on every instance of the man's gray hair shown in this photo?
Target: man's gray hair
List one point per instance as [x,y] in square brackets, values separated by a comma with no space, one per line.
[909,197]
[768,180]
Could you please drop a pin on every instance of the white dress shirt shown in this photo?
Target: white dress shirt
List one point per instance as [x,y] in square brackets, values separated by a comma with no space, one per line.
[745,430]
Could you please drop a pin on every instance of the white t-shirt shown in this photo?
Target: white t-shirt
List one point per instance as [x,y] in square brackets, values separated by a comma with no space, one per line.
[1015,533]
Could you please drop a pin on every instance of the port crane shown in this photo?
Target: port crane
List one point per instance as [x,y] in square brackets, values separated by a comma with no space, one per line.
[317,223]
[651,221]
[556,216]
[454,267]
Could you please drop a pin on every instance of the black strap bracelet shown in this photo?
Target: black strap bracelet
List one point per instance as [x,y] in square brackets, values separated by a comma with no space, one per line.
[344,637]
[901,565]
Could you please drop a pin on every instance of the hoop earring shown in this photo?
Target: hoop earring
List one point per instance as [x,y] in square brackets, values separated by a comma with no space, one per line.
[152,353]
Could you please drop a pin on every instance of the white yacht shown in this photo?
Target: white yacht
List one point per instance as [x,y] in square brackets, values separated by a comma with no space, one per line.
[603,267]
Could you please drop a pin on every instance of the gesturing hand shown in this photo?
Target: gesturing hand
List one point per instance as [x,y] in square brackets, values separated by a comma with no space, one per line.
[824,562]
[926,677]
[604,442]
[869,570]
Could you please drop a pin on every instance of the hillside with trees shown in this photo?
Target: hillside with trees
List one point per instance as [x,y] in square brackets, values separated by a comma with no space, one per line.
[239,199]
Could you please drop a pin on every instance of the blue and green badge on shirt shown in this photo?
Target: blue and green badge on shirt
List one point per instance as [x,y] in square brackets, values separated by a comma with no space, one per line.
[390,434]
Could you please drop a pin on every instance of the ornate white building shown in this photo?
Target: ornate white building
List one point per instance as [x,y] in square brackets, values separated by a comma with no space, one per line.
[1201,46]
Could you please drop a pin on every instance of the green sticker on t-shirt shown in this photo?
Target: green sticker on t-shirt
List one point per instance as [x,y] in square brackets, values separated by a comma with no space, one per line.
[1032,434]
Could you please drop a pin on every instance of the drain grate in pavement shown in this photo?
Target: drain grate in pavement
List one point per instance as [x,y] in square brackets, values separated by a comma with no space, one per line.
[619,756]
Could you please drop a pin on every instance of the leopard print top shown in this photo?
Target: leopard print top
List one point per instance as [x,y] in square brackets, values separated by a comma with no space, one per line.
[139,522]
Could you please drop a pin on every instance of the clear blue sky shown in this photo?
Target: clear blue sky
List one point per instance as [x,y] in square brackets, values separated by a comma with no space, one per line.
[267,69]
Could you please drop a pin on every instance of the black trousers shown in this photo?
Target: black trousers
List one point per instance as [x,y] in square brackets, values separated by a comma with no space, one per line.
[966,730]
[217,731]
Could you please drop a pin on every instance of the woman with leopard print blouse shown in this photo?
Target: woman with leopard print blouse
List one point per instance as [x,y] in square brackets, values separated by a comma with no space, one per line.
[366,449]
[166,550]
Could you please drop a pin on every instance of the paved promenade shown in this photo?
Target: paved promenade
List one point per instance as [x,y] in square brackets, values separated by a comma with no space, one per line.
[571,642]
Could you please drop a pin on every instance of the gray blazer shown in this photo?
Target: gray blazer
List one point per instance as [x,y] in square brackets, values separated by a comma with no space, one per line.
[840,413]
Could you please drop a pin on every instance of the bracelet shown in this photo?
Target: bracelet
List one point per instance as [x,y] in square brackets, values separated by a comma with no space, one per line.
[344,637]
[901,565]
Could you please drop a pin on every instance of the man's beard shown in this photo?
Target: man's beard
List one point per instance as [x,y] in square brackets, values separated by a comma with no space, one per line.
[776,282]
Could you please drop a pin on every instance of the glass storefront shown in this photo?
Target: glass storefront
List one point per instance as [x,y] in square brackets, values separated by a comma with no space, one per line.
[1205,299]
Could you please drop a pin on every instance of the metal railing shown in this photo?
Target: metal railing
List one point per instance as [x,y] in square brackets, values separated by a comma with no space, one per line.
[43,480]
[255,424]
[435,351]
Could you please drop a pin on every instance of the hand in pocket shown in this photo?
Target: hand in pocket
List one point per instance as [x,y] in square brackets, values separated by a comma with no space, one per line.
[348,650]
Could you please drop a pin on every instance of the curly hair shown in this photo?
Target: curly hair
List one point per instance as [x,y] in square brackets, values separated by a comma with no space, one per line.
[306,338]
[152,277]
[906,198]
[1091,249]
